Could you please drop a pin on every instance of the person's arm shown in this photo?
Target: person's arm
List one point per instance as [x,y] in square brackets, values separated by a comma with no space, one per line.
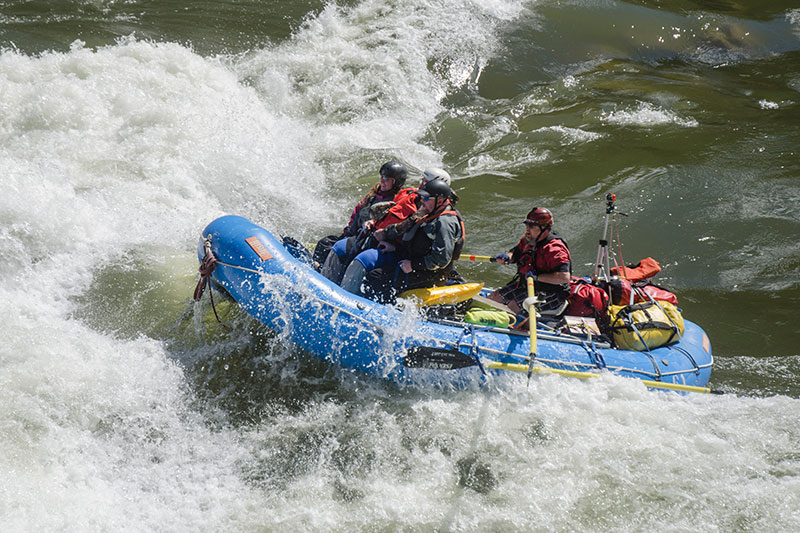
[554,278]
[558,261]
[394,232]
[353,226]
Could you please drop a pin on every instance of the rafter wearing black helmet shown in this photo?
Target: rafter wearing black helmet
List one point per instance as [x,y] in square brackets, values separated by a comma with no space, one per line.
[393,176]
[427,248]
[438,186]
[396,171]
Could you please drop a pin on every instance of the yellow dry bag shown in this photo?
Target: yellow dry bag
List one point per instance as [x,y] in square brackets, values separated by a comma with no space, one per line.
[645,325]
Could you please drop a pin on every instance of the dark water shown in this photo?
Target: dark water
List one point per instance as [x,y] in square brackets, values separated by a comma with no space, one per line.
[126,126]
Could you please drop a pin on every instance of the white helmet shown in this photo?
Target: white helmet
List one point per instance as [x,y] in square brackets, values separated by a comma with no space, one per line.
[431,174]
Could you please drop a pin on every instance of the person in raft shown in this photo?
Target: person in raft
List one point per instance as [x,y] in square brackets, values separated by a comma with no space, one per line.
[543,254]
[380,250]
[426,249]
[392,178]
[355,256]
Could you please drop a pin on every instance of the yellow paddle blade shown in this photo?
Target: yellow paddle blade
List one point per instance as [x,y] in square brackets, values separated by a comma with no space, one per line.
[448,294]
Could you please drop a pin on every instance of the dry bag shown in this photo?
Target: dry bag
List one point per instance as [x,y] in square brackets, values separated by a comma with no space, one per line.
[645,325]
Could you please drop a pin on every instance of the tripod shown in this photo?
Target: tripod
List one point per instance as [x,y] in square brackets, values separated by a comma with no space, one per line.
[602,264]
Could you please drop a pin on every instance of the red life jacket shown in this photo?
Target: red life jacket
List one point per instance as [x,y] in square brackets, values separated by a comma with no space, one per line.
[405,206]
[368,200]
[526,255]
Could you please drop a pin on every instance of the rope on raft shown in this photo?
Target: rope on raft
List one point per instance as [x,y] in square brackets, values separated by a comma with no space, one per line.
[207,266]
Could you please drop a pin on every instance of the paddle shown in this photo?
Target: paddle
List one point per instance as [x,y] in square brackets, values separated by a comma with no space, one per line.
[447,359]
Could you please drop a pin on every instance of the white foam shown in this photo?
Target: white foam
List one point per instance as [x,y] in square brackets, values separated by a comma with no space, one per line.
[572,135]
[369,86]
[646,114]
[793,16]
[138,145]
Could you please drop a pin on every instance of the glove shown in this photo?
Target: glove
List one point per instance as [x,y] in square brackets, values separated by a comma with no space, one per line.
[502,258]
[528,302]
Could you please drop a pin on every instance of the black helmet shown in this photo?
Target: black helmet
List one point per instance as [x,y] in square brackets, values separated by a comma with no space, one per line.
[438,188]
[395,170]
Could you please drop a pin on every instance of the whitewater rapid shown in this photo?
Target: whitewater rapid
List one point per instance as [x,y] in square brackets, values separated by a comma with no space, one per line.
[113,159]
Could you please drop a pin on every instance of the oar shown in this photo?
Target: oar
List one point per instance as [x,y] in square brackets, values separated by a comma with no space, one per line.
[469,257]
[531,325]
[462,257]
[447,359]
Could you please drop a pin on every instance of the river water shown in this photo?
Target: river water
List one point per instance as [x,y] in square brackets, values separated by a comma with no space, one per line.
[127,126]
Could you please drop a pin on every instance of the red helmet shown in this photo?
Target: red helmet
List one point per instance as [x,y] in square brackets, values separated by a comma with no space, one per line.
[540,216]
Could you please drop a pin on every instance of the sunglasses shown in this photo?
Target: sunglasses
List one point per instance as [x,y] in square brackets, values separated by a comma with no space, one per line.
[530,224]
[386,178]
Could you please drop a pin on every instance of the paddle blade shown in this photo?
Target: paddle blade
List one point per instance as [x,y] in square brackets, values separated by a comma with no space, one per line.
[436,358]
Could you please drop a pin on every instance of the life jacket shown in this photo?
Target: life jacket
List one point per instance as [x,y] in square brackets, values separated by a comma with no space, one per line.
[361,211]
[405,206]
[586,299]
[420,245]
[524,254]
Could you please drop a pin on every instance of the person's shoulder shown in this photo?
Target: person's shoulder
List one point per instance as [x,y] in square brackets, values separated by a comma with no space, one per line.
[449,218]
[557,245]
[559,241]
[450,214]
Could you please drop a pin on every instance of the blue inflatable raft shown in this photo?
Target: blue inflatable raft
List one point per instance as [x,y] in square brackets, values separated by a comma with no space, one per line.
[398,343]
